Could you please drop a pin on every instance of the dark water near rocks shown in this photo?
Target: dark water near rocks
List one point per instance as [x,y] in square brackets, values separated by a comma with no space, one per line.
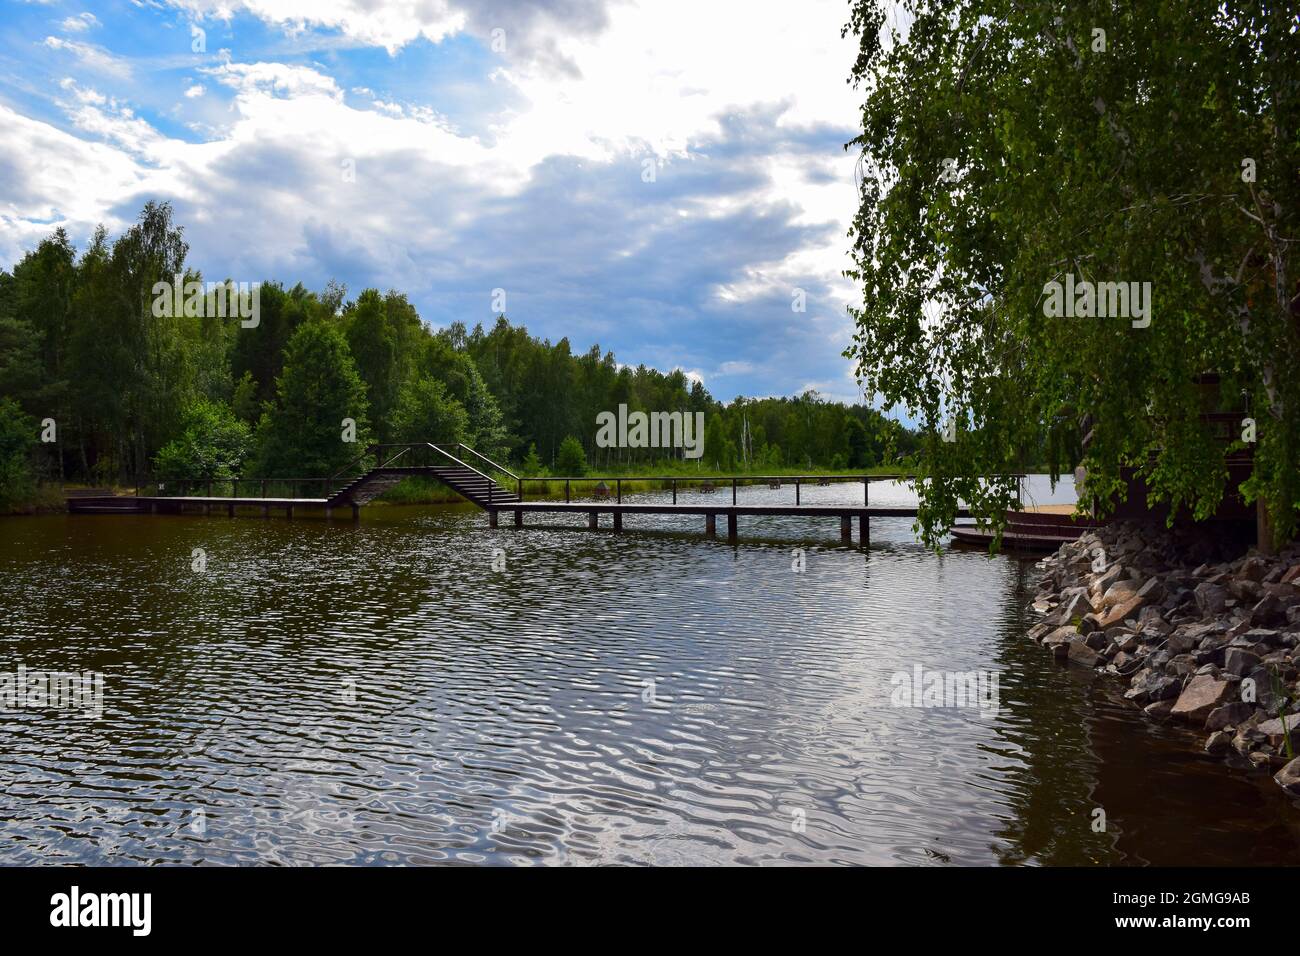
[377,693]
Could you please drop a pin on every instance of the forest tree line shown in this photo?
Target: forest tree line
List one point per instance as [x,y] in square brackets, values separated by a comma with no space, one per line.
[119,393]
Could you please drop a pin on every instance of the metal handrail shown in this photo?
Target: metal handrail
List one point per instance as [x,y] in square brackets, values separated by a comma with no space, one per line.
[450,457]
[745,477]
[485,458]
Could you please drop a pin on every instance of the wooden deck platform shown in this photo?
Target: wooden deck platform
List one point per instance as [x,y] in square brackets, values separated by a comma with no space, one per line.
[711,512]
[158,504]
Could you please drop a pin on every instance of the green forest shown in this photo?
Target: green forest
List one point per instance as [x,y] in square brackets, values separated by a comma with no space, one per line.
[97,389]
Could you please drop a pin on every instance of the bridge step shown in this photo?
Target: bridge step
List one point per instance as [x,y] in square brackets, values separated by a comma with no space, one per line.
[465,482]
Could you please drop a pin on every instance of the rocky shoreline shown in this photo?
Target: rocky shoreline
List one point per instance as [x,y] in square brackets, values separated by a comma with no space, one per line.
[1198,637]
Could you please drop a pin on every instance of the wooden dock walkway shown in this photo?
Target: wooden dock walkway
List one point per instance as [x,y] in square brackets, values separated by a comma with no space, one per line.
[476,485]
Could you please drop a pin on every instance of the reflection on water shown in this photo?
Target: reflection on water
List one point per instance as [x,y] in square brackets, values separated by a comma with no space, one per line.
[377,693]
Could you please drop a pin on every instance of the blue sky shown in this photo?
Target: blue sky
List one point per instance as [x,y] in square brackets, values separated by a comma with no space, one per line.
[659,178]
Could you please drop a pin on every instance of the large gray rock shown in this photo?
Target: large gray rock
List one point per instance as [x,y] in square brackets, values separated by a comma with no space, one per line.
[1153,590]
[1229,715]
[1118,593]
[1149,686]
[1265,635]
[1239,661]
[1252,569]
[1122,639]
[1288,778]
[1081,653]
[1061,634]
[1158,709]
[1202,694]
[1218,743]
[1077,607]
[1277,728]
[1248,591]
[1121,612]
[1182,640]
[1268,611]
[1211,599]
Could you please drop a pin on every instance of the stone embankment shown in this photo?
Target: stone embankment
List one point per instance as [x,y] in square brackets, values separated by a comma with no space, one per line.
[1197,638]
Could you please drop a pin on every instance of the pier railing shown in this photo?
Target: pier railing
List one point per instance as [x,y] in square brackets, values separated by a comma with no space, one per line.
[420,455]
[712,483]
[299,488]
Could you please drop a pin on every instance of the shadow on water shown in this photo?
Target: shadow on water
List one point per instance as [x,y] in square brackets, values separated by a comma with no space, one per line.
[1099,783]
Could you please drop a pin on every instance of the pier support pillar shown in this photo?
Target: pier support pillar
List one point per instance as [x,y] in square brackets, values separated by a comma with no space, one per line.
[266,511]
[592,521]
[519,519]
[864,530]
[492,518]
[230,510]
[731,527]
[846,529]
[711,525]
[618,521]
[288,512]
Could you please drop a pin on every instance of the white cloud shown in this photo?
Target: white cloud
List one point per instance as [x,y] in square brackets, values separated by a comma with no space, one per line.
[391,24]
[93,57]
[53,176]
[80,23]
[195,91]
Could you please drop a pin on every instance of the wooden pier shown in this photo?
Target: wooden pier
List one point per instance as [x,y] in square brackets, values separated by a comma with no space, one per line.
[348,493]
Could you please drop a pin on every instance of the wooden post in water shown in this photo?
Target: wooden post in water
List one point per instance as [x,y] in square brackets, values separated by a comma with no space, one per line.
[519,518]
[796,491]
[492,518]
[846,529]
[618,521]
[731,526]
[591,520]
[864,529]
[711,525]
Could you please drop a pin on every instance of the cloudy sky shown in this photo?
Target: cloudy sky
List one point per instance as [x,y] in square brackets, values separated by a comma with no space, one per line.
[448,148]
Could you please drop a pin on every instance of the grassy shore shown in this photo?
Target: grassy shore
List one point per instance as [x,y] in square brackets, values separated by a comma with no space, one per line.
[43,499]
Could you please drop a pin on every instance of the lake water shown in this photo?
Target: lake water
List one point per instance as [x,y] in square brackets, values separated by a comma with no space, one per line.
[417,688]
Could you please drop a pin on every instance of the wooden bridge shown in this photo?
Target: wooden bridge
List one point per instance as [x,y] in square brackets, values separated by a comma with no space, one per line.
[479,486]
